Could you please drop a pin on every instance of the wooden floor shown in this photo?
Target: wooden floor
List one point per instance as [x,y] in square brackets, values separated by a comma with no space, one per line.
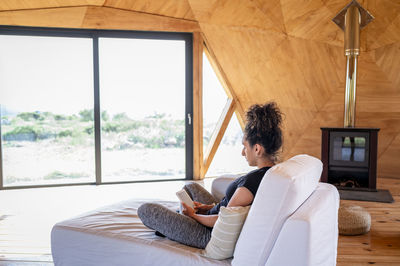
[381,246]
[27,216]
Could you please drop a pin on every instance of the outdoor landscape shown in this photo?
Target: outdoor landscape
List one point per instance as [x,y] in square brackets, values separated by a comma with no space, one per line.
[47,148]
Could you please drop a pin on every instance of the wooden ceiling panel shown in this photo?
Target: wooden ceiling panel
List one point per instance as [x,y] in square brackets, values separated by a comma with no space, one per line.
[389,124]
[170,8]
[268,85]
[297,76]
[335,6]
[385,12]
[391,35]
[202,10]
[244,56]
[383,30]
[273,10]
[387,59]
[380,103]
[335,102]
[111,18]
[371,79]
[296,123]
[319,64]
[311,19]
[36,4]
[309,141]
[70,17]
[388,166]
[281,79]
[239,13]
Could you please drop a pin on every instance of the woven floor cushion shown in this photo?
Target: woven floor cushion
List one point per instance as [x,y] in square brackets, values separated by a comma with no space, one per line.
[354,220]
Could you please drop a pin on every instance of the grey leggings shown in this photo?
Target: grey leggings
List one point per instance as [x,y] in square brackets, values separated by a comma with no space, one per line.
[175,226]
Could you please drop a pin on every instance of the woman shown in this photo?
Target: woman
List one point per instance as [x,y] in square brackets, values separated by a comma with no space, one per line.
[262,141]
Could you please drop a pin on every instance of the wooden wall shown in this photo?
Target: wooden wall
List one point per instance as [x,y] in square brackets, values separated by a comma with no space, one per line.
[291,52]
[284,50]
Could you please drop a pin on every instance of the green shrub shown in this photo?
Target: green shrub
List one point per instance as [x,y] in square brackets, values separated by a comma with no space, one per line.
[60,117]
[29,133]
[72,117]
[13,179]
[105,116]
[61,175]
[120,126]
[120,117]
[29,116]
[24,130]
[110,127]
[89,130]
[157,116]
[80,139]
[65,133]
[155,142]
[22,133]
[87,115]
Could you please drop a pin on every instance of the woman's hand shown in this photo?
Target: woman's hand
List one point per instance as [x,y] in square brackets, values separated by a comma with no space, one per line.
[187,210]
[207,220]
[202,208]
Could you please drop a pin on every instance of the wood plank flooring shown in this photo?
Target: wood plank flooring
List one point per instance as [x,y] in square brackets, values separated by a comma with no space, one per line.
[27,216]
[381,246]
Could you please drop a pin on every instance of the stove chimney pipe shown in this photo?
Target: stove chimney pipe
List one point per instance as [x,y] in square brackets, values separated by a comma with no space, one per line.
[351,51]
[351,19]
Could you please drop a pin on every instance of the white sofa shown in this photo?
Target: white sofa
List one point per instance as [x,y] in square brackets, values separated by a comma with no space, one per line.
[292,221]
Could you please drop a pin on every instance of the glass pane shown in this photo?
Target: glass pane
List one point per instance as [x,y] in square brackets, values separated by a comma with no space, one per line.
[228,158]
[349,149]
[214,100]
[142,92]
[359,149]
[46,97]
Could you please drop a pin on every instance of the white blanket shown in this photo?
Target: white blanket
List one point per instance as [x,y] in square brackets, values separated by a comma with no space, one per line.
[114,235]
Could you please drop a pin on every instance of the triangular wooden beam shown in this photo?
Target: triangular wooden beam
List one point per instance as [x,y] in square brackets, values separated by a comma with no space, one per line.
[218,133]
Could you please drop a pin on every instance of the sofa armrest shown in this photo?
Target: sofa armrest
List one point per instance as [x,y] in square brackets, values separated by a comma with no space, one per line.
[311,233]
[220,184]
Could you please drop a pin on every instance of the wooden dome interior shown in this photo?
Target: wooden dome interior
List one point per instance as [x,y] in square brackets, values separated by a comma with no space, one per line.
[284,50]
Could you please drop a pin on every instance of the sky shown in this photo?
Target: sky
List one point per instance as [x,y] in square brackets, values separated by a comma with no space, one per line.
[138,77]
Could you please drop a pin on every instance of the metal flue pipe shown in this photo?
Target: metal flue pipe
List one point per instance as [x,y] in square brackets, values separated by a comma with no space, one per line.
[351,51]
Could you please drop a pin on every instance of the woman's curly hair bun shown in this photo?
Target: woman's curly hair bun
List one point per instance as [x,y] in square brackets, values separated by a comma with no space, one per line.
[264,127]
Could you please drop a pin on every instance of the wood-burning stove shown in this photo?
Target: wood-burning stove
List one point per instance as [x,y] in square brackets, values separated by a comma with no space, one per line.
[349,156]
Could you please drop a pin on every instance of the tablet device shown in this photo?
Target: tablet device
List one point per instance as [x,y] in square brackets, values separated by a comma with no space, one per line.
[184,197]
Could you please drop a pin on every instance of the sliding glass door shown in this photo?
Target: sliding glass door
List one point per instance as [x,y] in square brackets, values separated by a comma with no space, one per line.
[92,106]
[142,92]
[46,89]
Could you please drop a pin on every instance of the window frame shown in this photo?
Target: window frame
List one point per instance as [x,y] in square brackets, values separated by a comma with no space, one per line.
[95,34]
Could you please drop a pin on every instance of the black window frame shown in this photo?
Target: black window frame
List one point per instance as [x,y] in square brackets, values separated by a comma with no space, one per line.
[95,34]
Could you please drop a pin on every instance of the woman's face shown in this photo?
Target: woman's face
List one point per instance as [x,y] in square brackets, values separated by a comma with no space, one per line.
[249,152]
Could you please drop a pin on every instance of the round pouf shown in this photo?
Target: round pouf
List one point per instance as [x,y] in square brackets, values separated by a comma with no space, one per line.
[354,220]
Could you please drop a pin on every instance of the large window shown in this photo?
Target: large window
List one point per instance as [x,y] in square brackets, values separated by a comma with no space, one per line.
[46,83]
[86,106]
[228,158]
[142,92]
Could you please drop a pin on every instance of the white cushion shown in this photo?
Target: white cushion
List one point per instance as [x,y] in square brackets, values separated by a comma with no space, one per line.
[283,189]
[220,184]
[226,232]
[315,225]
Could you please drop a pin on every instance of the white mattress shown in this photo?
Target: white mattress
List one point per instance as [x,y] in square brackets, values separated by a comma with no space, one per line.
[114,235]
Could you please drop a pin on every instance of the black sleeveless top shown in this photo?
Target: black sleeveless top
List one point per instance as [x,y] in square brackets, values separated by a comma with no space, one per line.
[251,181]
